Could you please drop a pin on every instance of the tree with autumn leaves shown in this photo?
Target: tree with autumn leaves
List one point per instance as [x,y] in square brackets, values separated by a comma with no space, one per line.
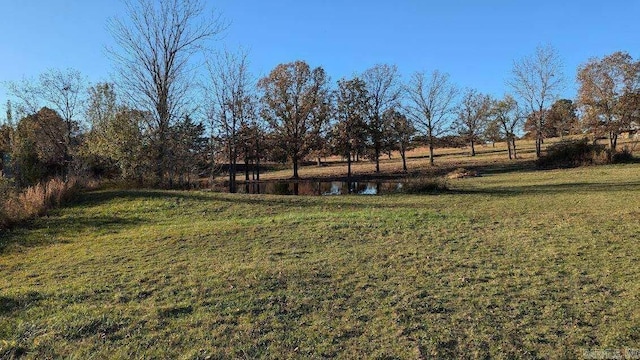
[295,100]
[609,94]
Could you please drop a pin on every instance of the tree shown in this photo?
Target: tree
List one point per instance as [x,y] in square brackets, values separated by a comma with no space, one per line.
[6,141]
[507,114]
[493,132]
[252,138]
[157,46]
[186,147]
[101,111]
[562,119]
[352,108]
[38,149]
[123,141]
[608,93]
[9,119]
[61,91]
[401,133]
[473,117]
[293,101]
[383,88]
[319,142]
[232,104]
[116,144]
[431,103]
[101,105]
[538,79]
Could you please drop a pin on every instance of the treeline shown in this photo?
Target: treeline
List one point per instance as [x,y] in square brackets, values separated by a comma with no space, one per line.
[163,122]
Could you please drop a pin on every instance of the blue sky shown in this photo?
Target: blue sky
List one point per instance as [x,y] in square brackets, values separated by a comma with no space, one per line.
[475,42]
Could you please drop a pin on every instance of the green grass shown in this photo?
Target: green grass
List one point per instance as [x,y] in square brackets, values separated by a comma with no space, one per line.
[510,265]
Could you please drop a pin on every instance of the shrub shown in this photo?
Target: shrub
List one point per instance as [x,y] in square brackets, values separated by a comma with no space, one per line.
[573,153]
[425,185]
[6,192]
[624,156]
[35,200]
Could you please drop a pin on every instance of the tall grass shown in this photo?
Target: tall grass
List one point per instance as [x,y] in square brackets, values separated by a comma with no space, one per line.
[19,205]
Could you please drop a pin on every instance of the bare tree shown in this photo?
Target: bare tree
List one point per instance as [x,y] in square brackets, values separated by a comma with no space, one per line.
[431,104]
[382,83]
[507,114]
[157,48]
[232,103]
[609,92]
[294,103]
[537,80]
[473,117]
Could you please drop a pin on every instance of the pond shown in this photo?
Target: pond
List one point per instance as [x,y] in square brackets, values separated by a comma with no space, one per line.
[318,188]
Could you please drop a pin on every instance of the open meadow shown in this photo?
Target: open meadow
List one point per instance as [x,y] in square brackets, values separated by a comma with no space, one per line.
[521,263]
[199,180]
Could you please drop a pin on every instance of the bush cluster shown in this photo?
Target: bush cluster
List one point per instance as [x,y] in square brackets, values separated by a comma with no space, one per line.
[17,206]
[425,185]
[624,156]
[573,153]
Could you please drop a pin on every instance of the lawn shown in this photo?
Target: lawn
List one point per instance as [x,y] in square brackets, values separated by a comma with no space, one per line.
[523,264]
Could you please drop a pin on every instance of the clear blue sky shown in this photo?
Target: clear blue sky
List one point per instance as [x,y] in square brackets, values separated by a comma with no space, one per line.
[475,41]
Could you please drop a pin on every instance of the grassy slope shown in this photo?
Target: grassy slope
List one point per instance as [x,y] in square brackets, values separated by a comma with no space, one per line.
[529,264]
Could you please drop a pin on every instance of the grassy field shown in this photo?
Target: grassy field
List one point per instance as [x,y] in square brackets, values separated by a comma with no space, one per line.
[509,265]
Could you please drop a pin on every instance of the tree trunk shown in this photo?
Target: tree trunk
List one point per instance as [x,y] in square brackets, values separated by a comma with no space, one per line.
[513,146]
[246,167]
[232,169]
[377,160]
[404,158]
[160,161]
[509,147]
[431,149]
[473,149]
[295,167]
[213,165]
[257,160]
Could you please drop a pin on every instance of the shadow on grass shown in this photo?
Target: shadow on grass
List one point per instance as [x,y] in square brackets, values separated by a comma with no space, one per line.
[11,304]
[53,230]
[99,197]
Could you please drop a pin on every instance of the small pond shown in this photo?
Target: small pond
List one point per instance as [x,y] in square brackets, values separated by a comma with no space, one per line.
[318,188]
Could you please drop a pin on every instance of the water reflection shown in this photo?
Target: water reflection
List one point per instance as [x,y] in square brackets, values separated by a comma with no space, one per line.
[319,188]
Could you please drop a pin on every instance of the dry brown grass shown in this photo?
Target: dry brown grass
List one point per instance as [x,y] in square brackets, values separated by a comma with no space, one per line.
[35,200]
